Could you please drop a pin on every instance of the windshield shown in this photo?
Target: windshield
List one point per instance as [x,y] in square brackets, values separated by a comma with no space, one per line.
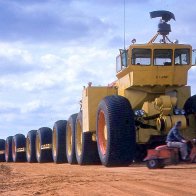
[141,56]
[182,56]
[162,57]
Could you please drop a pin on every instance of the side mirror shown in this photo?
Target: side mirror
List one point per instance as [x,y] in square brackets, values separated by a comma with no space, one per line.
[121,60]
[194,57]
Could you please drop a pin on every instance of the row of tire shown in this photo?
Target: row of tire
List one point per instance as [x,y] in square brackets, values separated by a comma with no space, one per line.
[112,143]
[47,145]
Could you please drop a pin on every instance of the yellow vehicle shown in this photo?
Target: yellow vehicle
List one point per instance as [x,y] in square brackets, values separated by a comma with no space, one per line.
[119,122]
[149,97]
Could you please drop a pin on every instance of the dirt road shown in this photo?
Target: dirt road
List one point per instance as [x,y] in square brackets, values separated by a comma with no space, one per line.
[51,179]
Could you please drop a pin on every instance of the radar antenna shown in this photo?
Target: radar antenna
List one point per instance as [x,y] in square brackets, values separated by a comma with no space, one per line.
[163,27]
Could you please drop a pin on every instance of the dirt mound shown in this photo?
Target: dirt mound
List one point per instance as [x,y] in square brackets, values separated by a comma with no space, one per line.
[63,179]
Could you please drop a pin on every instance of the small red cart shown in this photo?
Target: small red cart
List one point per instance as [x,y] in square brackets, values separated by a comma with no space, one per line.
[163,155]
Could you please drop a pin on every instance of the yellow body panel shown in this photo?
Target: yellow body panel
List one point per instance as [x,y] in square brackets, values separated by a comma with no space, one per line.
[143,135]
[90,101]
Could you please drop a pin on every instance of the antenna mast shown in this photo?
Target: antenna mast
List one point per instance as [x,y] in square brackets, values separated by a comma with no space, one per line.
[124,23]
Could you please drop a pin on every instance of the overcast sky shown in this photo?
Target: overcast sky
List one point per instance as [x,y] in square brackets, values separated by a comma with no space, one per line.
[50,49]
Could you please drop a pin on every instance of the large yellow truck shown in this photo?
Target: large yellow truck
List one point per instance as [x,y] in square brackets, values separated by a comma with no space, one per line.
[119,122]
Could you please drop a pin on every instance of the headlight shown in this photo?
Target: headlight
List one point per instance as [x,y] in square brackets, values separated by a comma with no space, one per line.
[183,112]
[142,112]
[139,113]
[179,112]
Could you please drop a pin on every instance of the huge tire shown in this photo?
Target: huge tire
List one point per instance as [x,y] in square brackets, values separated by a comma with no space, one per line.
[44,145]
[70,139]
[19,148]
[115,131]
[2,150]
[8,149]
[190,105]
[30,146]
[58,141]
[86,149]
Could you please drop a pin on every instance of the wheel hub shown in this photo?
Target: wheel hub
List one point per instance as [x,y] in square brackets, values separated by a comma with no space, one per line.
[54,138]
[79,139]
[28,148]
[102,133]
[69,140]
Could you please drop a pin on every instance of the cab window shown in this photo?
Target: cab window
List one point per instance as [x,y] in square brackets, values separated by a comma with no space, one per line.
[182,57]
[121,60]
[163,57]
[141,56]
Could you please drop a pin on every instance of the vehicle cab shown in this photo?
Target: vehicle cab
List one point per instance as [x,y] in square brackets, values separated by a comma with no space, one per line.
[155,64]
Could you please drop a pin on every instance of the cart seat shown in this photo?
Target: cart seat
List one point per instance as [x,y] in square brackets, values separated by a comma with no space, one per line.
[165,147]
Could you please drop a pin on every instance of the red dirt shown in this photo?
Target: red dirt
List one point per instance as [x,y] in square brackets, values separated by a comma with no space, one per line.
[50,179]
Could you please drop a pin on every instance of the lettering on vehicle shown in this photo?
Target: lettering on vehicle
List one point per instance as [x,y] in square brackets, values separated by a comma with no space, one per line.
[162,77]
[46,146]
[2,151]
[20,149]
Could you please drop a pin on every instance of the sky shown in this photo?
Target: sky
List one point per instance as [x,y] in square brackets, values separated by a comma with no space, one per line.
[50,49]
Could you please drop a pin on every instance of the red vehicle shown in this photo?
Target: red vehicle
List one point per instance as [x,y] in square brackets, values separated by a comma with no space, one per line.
[163,155]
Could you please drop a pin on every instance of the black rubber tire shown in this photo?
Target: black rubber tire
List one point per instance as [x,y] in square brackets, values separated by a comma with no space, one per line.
[59,142]
[19,141]
[118,117]
[86,151]
[155,164]
[8,149]
[30,146]
[190,105]
[70,145]
[44,137]
[2,150]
